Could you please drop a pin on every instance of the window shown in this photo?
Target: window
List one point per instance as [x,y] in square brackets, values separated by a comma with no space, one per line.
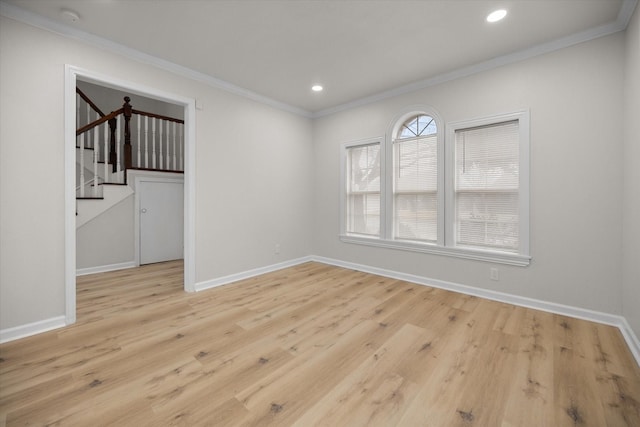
[363,189]
[415,180]
[463,195]
[486,186]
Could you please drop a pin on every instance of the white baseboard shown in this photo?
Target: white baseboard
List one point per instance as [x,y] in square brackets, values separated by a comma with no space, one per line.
[105,268]
[566,310]
[631,338]
[208,284]
[29,329]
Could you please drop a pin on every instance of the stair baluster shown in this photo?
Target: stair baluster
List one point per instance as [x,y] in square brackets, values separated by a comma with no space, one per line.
[105,148]
[95,160]
[138,119]
[82,178]
[146,141]
[153,142]
[160,138]
[174,146]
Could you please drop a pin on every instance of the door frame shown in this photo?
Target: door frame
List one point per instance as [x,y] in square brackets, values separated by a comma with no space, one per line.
[72,74]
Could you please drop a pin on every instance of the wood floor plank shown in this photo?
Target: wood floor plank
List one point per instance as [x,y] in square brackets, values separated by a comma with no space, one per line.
[313,345]
[530,399]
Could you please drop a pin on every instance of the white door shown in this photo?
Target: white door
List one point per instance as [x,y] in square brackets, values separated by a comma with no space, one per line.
[161,221]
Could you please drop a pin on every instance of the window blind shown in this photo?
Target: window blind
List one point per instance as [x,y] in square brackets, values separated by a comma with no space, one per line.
[363,189]
[415,173]
[487,186]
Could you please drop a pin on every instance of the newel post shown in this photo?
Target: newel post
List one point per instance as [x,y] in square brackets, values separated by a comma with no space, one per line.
[113,154]
[128,151]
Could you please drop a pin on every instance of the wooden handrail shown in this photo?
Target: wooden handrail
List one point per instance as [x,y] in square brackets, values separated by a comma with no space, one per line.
[157,116]
[90,102]
[113,114]
[100,121]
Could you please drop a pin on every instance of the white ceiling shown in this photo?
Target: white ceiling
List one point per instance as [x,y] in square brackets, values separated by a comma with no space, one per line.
[355,49]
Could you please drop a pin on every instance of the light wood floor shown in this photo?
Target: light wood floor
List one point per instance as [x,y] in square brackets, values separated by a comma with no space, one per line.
[312,345]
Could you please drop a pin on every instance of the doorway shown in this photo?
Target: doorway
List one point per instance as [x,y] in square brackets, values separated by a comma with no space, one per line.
[187,205]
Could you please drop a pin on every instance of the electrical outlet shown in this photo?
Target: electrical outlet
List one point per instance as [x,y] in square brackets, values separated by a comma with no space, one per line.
[494,274]
[276,249]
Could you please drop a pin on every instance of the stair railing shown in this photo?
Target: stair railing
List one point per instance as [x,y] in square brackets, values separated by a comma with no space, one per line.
[158,144]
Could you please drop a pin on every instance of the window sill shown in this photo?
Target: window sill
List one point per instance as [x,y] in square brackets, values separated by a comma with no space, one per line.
[474,254]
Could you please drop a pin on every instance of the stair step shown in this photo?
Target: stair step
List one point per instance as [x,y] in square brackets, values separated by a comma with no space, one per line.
[86,148]
[89,198]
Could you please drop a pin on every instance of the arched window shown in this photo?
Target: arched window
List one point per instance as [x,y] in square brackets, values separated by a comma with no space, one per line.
[415,179]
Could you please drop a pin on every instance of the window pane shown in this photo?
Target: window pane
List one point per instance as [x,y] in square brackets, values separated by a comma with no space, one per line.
[364,214]
[365,168]
[416,216]
[416,164]
[363,190]
[488,219]
[486,186]
[421,125]
[487,157]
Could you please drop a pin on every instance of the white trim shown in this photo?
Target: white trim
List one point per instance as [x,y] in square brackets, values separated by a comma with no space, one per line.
[431,248]
[70,194]
[225,280]
[72,73]
[631,338]
[536,304]
[34,328]
[105,268]
[30,18]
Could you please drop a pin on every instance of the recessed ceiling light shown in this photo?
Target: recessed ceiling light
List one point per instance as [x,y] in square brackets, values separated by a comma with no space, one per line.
[496,15]
[316,88]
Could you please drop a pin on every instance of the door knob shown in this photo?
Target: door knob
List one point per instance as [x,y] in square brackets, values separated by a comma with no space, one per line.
[143,210]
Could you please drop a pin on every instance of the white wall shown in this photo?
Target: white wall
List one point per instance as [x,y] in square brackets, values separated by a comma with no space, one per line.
[631,193]
[108,238]
[252,180]
[574,96]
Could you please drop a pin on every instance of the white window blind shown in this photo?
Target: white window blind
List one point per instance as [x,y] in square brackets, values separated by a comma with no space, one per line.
[363,190]
[487,181]
[415,174]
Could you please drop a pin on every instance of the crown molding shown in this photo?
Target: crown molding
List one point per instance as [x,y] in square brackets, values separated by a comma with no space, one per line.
[620,24]
[33,19]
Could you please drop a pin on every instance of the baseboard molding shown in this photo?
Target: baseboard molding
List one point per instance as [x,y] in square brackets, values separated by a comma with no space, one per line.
[208,284]
[566,310]
[631,338]
[595,316]
[29,329]
[105,268]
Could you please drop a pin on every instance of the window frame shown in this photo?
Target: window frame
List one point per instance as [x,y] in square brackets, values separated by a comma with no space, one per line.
[445,244]
[522,117]
[388,198]
[344,182]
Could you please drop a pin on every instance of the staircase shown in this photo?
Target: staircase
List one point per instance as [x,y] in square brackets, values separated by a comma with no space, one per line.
[106,148]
